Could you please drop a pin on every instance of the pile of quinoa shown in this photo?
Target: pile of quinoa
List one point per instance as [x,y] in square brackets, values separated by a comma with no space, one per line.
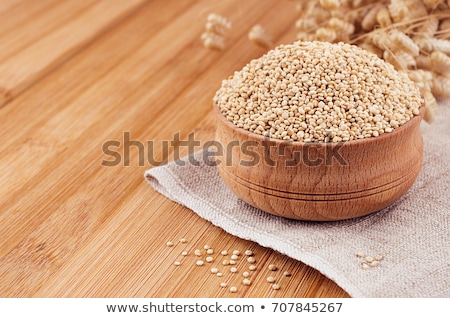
[318,91]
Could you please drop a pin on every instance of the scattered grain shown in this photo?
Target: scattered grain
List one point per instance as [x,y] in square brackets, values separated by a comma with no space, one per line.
[225,262]
[209,251]
[360,254]
[184,253]
[248,252]
[232,262]
[270,279]
[252,267]
[183,240]
[214,270]
[224,252]
[209,259]
[236,252]
[206,247]
[219,274]
[273,267]
[246,281]
[234,257]
[233,269]
[198,253]
[233,289]
[374,263]
[246,274]
[177,263]
[169,244]
[223,285]
[287,274]
[275,286]
[199,263]
[365,266]
[251,259]
[369,259]
[379,257]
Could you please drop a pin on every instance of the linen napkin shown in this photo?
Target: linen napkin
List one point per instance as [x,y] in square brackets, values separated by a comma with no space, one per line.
[412,235]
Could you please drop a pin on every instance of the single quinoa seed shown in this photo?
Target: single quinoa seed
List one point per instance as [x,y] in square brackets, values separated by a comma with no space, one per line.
[232,262]
[233,289]
[183,240]
[184,253]
[270,279]
[369,259]
[233,269]
[248,253]
[365,266]
[252,267]
[199,263]
[219,274]
[224,252]
[273,267]
[379,257]
[275,286]
[246,274]
[234,257]
[359,254]
[206,247]
[214,270]
[198,253]
[209,251]
[169,244]
[251,260]
[236,252]
[177,263]
[287,274]
[317,92]
[209,259]
[225,262]
[223,285]
[246,281]
[374,263]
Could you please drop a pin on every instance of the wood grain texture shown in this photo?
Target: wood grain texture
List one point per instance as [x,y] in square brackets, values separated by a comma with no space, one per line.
[73,227]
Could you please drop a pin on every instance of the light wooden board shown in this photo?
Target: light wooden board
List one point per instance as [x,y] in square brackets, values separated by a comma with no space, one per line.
[74,228]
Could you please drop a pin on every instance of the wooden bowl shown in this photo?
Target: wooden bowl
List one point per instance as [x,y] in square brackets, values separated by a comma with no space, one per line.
[320,181]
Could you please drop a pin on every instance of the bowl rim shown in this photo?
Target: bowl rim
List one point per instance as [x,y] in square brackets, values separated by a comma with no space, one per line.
[416,120]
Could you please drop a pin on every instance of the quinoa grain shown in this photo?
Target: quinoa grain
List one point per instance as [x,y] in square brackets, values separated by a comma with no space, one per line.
[251,260]
[294,84]
[270,279]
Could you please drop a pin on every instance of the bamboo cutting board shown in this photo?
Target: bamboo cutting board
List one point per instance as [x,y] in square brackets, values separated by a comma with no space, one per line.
[75,75]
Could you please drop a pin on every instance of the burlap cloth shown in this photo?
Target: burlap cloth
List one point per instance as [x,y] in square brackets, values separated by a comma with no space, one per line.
[412,234]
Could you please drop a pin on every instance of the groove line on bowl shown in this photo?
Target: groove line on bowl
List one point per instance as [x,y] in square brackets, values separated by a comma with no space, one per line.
[321,197]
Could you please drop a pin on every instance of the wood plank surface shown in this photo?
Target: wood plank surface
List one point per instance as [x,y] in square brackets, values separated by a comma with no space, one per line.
[72,227]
